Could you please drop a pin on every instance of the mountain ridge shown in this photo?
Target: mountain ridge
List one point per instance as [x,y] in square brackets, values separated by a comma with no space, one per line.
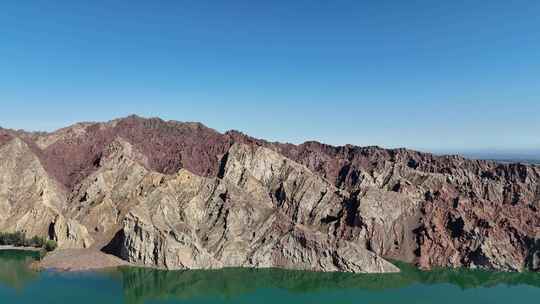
[398,204]
[230,135]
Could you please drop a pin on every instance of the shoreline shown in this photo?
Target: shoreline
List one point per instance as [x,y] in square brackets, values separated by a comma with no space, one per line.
[11,247]
[77,260]
[91,260]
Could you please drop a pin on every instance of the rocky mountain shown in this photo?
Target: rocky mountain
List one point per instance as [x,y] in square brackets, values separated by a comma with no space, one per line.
[178,195]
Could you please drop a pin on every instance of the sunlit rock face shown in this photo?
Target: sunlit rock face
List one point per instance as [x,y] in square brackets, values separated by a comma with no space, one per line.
[192,222]
[29,199]
[182,196]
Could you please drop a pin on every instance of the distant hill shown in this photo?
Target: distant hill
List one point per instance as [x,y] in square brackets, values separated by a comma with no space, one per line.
[524,157]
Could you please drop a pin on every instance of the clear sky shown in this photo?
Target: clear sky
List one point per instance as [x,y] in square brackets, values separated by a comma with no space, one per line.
[432,75]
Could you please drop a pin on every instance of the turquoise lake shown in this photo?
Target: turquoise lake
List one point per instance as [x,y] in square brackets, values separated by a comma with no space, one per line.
[18,284]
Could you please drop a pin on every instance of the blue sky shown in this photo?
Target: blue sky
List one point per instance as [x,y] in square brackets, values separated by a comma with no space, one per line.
[431,75]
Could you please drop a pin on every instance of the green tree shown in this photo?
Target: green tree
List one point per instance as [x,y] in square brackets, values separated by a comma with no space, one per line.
[37,242]
[50,245]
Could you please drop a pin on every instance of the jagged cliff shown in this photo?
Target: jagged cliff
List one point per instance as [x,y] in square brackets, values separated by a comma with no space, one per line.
[180,196]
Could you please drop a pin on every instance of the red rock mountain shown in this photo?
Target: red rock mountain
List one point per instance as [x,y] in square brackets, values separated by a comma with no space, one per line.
[180,195]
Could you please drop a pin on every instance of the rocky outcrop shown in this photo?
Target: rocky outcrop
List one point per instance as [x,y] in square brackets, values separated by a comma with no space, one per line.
[180,195]
[437,211]
[101,200]
[69,233]
[302,196]
[192,222]
[72,154]
[29,199]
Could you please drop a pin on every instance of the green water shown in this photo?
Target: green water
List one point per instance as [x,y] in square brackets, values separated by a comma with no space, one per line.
[18,284]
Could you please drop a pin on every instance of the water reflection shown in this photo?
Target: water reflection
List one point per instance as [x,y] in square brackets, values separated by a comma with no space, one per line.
[141,284]
[14,271]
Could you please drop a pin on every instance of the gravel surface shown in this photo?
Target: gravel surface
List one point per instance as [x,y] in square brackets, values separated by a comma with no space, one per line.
[79,260]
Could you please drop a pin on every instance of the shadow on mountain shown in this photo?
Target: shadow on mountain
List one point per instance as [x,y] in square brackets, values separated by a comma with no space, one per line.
[141,284]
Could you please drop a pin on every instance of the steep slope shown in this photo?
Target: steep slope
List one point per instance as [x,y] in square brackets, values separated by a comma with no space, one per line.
[101,200]
[195,222]
[400,204]
[31,201]
[433,210]
[444,211]
[72,154]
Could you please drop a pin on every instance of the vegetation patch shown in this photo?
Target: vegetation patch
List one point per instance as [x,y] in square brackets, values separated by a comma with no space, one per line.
[19,239]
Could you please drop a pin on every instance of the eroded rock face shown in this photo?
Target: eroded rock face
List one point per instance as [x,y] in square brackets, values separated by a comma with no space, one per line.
[101,200]
[180,195]
[437,211]
[72,154]
[303,196]
[69,233]
[29,198]
[191,222]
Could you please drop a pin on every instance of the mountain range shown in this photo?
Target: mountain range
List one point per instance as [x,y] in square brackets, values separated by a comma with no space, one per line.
[177,195]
